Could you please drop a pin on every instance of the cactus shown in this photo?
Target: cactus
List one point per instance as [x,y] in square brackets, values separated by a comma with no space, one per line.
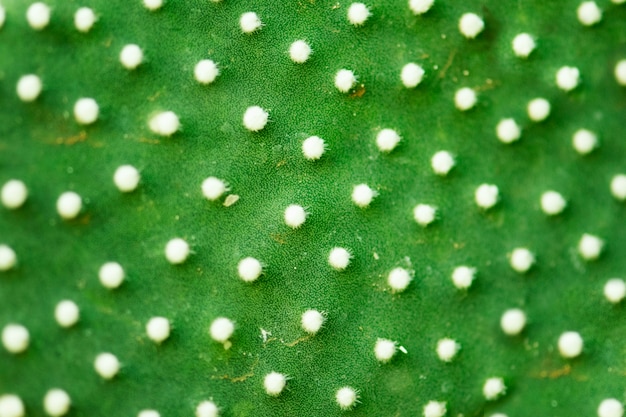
[312,208]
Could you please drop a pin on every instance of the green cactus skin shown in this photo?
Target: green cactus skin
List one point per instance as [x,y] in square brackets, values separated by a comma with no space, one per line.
[42,145]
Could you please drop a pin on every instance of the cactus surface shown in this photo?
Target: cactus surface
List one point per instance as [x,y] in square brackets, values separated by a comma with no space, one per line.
[413,308]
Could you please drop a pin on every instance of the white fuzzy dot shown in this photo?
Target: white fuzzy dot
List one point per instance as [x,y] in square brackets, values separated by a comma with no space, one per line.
[538,109]
[8,258]
[471,25]
[69,205]
[358,14]
[131,56]
[399,279]
[618,187]
[207,409]
[424,214]
[222,329]
[387,140]
[57,402]
[249,269]
[615,290]
[313,148]
[111,275]
[152,5]
[508,131]
[384,350]
[255,118]
[465,98]
[552,203]
[435,409]
[312,321]
[420,6]
[126,178]
[567,78]
[158,329]
[345,80]
[84,19]
[249,22]
[66,313]
[294,216]
[589,13]
[339,258]
[164,124]
[521,260]
[38,15]
[442,162]
[86,111]
[148,413]
[206,71]
[11,406]
[15,338]
[362,195]
[300,51]
[463,276]
[176,251]
[493,388]
[107,365]
[486,196]
[513,321]
[213,188]
[570,344]
[610,407]
[3,16]
[523,45]
[14,194]
[274,383]
[412,75]
[584,141]
[346,398]
[447,349]
[590,247]
[620,72]
[29,87]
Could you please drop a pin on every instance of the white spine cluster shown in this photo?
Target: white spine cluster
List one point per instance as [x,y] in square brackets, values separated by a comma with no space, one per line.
[465,98]
[590,247]
[424,214]
[222,329]
[399,279]
[362,195]
[471,25]
[249,22]
[29,87]
[384,350]
[346,398]
[567,78]
[570,344]
[164,123]
[274,383]
[447,349]
[107,365]
[57,402]
[84,19]
[412,75]
[523,45]
[15,338]
[14,194]
[176,251]
[339,258]
[8,258]
[494,388]
[206,71]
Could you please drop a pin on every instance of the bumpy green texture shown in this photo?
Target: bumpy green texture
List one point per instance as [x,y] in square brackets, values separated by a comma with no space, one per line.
[41,144]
